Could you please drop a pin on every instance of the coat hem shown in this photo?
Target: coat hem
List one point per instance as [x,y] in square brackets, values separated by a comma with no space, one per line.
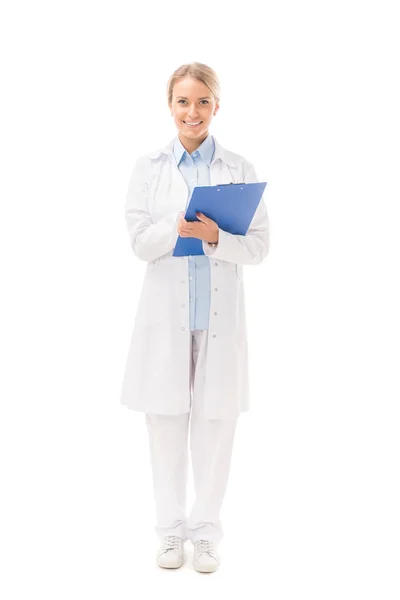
[182,412]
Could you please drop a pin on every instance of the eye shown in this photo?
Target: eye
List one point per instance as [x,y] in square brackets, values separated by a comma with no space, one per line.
[181,100]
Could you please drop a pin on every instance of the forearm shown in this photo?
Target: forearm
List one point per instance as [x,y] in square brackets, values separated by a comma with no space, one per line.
[151,240]
[249,249]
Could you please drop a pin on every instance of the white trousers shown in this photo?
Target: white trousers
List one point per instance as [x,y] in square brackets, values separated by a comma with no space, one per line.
[211,443]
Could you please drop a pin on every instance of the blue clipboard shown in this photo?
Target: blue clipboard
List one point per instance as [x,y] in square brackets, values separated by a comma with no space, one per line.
[231,205]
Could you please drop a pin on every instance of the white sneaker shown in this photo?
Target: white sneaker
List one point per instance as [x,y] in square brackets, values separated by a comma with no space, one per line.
[170,554]
[205,557]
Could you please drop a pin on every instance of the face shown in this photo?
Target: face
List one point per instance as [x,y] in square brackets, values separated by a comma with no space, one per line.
[192,102]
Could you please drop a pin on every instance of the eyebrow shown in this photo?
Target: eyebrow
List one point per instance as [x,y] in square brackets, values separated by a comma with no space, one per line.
[204,98]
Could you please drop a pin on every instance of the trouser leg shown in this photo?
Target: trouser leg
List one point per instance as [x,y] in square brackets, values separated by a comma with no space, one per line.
[211,443]
[168,439]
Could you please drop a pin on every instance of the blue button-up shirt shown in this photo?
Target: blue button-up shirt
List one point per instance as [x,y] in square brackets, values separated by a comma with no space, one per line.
[195,169]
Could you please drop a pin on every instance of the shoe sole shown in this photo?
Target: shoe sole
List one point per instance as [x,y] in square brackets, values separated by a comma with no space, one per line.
[205,569]
[169,566]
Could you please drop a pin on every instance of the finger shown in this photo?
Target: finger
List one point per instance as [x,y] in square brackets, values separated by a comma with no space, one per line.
[202,217]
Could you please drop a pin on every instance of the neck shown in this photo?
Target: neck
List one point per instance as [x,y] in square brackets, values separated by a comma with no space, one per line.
[191,145]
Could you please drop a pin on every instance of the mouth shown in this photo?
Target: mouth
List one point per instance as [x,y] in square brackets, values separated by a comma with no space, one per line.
[193,125]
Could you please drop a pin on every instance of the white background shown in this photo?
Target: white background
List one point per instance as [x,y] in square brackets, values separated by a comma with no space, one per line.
[310,96]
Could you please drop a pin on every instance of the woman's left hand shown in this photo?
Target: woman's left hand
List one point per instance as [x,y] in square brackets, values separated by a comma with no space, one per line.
[206,229]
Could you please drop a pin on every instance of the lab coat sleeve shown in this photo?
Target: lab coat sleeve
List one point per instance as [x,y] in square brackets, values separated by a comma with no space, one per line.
[148,240]
[249,249]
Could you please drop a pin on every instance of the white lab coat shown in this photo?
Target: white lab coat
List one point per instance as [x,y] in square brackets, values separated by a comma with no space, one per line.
[157,372]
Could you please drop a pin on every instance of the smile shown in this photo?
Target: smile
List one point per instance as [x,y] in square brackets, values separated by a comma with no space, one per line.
[192,124]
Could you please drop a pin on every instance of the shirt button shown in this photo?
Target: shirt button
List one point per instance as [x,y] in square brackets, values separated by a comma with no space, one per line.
[214,335]
[183,329]
[182,306]
[182,281]
[216,289]
[215,313]
[216,264]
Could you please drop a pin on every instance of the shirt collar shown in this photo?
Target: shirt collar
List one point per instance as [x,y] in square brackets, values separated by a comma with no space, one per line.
[206,150]
[220,153]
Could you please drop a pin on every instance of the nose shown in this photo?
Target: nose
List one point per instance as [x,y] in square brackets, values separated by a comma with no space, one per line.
[192,112]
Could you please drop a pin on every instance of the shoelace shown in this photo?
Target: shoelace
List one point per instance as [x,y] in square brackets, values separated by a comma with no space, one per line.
[171,542]
[205,546]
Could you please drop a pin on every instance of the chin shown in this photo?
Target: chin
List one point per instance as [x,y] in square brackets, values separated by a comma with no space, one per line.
[189,133]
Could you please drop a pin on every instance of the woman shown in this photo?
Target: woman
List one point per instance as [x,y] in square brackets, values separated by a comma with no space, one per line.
[188,352]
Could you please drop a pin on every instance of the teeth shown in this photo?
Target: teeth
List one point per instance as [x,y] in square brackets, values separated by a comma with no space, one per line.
[187,123]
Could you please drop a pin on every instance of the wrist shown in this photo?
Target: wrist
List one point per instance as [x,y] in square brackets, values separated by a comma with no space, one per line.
[215,240]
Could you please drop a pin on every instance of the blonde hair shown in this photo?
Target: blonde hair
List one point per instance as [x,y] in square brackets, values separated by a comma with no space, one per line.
[198,71]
